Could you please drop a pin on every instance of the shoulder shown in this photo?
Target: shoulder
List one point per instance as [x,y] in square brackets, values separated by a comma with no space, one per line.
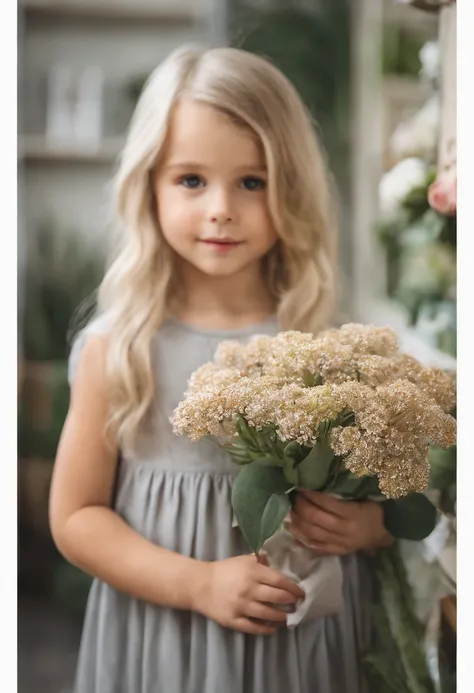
[89,346]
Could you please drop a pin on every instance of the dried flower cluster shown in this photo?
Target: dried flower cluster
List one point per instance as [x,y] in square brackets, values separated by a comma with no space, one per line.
[294,382]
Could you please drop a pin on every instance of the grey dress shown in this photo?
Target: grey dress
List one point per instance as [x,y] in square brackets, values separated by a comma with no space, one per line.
[177,494]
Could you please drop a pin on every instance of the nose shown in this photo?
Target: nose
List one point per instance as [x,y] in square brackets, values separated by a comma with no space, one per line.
[220,208]
[220,219]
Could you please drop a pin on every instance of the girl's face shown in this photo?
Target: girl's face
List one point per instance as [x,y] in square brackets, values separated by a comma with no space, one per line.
[211,193]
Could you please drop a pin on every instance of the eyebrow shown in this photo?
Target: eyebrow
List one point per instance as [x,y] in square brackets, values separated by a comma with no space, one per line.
[194,166]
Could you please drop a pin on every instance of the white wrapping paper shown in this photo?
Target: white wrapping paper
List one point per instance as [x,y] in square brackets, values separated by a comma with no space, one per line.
[319,576]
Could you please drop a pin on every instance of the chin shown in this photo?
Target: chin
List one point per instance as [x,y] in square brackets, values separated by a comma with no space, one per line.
[221,267]
[221,271]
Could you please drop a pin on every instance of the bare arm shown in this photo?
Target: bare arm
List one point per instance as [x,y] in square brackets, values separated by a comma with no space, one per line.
[85,529]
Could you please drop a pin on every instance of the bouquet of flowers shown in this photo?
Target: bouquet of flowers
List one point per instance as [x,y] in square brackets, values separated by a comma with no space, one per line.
[344,412]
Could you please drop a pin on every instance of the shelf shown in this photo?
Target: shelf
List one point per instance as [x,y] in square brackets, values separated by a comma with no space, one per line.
[32,148]
[167,13]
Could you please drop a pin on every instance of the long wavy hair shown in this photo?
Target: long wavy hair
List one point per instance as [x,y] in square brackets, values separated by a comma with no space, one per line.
[300,269]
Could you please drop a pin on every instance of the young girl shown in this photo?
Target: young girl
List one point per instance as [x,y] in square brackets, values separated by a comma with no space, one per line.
[225,207]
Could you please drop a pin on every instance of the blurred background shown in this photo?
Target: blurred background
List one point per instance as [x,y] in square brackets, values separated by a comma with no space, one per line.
[376,74]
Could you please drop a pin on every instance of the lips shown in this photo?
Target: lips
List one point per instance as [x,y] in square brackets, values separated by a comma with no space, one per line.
[221,245]
[220,241]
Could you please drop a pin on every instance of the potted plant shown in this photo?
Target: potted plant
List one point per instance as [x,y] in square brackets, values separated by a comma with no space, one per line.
[64,274]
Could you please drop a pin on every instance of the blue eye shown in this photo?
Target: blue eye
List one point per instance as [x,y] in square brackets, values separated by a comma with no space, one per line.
[253,183]
[192,182]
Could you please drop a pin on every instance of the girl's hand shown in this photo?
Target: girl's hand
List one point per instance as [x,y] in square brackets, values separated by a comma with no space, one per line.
[239,592]
[332,526]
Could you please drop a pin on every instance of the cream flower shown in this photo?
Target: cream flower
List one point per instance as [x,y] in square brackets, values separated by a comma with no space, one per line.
[390,406]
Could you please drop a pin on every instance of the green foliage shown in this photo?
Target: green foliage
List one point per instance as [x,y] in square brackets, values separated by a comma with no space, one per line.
[260,501]
[396,661]
[427,277]
[443,467]
[63,273]
[421,252]
[345,484]
[41,440]
[401,51]
[411,517]
[447,680]
[71,588]
[271,470]
[314,469]
[416,202]
[443,476]
[263,447]
[134,87]
[411,215]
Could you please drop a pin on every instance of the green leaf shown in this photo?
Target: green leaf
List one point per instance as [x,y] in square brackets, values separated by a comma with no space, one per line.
[238,445]
[266,460]
[397,598]
[276,510]
[412,517]
[443,467]
[434,223]
[294,451]
[290,471]
[237,454]
[246,433]
[314,470]
[267,435]
[356,487]
[293,454]
[258,516]
[345,418]
[269,443]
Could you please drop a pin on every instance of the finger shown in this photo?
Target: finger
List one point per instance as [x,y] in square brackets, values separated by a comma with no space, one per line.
[264,612]
[306,532]
[300,537]
[271,577]
[313,515]
[317,548]
[336,506]
[245,625]
[264,593]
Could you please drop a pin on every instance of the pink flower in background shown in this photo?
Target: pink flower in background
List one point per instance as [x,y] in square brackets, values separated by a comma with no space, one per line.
[442,193]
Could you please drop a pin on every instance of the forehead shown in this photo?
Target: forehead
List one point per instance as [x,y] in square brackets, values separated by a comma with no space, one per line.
[199,132]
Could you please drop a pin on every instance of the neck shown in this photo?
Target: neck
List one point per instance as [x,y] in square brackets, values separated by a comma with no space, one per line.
[222,302]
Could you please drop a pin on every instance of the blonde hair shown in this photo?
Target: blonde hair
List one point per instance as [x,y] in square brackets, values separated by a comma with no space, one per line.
[300,269]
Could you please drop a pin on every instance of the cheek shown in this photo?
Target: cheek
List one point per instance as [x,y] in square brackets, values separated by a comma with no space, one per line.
[265,234]
[177,217]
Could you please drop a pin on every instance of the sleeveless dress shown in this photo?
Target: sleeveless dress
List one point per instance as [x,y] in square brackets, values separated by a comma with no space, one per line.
[176,493]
